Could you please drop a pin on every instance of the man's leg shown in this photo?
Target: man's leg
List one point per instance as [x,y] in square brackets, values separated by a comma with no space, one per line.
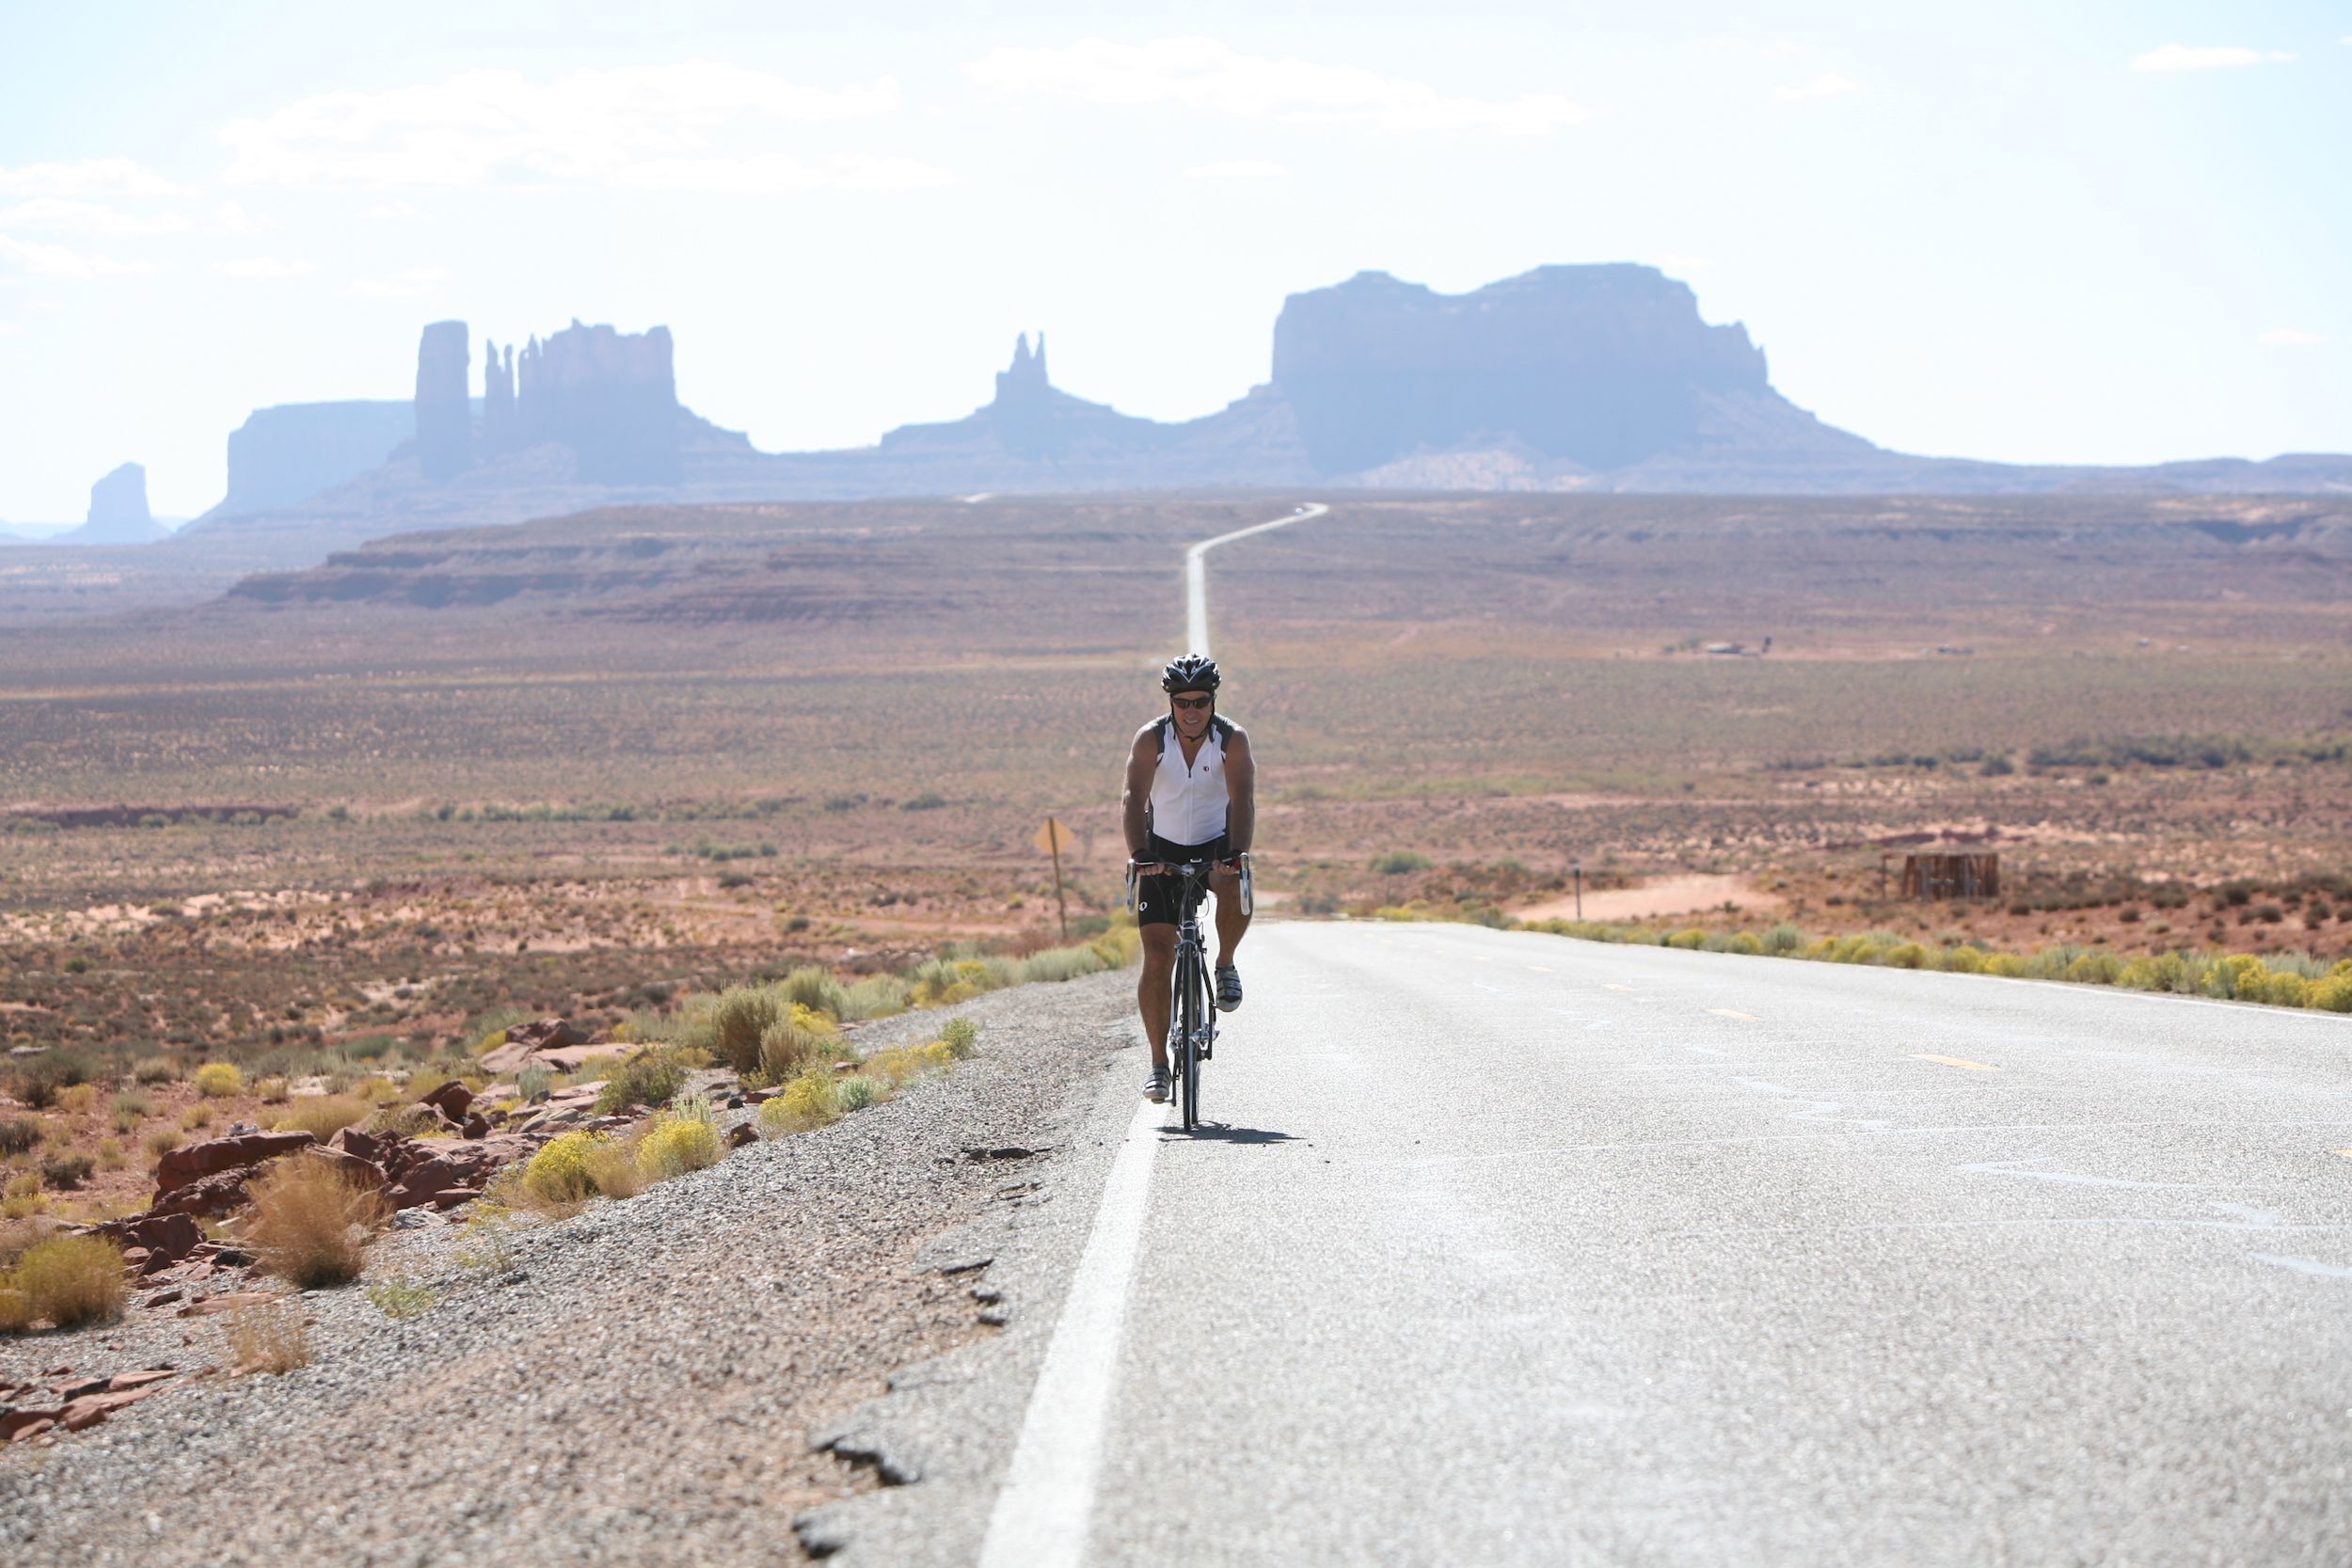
[1230,922]
[1159,962]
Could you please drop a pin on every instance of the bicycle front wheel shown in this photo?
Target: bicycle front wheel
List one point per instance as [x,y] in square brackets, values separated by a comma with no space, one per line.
[1185,1037]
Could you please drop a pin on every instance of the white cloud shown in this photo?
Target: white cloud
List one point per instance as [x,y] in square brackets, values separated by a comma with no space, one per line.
[88,178]
[55,261]
[1675,267]
[229,218]
[2181,57]
[266,269]
[392,212]
[771,173]
[493,127]
[67,214]
[1203,75]
[1828,84]
[1236,168]
[399,285]
[9,329]
[2290,336]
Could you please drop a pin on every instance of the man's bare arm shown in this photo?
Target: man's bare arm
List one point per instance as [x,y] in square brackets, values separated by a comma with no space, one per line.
[1135,800]
[1241,792]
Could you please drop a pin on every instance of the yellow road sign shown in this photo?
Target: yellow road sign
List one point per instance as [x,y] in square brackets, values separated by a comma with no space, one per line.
[1055,838]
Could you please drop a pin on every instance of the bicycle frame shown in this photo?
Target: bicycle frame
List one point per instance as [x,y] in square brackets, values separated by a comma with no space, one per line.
[1191,1008]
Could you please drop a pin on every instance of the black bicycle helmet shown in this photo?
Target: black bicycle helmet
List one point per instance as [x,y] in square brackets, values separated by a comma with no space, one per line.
[1190,673]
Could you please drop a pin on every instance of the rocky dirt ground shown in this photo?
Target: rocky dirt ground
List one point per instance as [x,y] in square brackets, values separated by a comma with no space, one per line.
[634,1383]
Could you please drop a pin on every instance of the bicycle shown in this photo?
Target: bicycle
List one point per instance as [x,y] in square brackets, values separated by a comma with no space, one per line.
[1192,1007]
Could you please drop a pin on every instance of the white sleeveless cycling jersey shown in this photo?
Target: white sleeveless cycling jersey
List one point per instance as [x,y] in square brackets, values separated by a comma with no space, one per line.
[1189,801]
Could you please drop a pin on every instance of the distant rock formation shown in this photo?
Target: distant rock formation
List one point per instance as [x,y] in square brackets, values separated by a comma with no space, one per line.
[610,396]
[499,429]
[118,511]
[444,411]
[284,455]
[1601,366]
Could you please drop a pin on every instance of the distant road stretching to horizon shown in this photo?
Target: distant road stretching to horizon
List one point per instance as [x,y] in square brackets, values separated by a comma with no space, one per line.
[1505,1248]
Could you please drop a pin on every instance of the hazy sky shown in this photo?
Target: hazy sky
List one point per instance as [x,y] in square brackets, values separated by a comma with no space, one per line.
[2112,233]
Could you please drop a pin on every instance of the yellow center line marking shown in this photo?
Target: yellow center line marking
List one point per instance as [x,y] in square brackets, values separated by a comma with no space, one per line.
[1538,968]
[2346,1152]
[1726,1012]
[1481,958]
[1956,1061]
[1610,985]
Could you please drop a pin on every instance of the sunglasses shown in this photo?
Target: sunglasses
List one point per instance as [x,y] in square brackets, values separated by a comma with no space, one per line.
[1192,702]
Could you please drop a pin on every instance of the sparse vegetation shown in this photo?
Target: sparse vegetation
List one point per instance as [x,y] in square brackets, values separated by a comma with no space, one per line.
[400,1297]
[675,1143]
[270,1339]
[67,1280]
[309,1225]
[219,1080]
[321,1116]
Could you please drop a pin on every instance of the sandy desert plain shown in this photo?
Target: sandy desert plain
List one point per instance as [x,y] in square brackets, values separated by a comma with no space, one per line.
[357,816]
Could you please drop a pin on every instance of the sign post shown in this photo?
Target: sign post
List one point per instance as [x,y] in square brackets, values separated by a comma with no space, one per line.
[1054,838]
[1578,866]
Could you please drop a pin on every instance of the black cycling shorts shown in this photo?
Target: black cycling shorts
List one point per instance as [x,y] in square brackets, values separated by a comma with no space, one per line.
[1156,896]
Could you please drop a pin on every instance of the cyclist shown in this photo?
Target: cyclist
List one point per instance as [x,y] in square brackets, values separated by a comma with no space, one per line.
[1190,797]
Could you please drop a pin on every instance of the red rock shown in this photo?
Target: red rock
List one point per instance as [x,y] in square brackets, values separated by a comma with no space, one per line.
[164,1297]
[140,1379]
[18,1425]
[216,1194]
[181,1167]
[742,1133]
[450,1100]
[450,1198]
[166,1238]
[90,1409]
[367,1145]
[358,1172]
[476,1127]
[455,1165]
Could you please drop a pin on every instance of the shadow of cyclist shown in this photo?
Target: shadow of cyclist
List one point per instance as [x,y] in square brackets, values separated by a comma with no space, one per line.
[1217,1132]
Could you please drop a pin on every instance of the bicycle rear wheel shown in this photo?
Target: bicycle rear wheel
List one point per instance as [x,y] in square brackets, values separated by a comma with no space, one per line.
[1184,1037]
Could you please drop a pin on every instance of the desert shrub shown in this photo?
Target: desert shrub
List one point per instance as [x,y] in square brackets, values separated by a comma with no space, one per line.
[2280,990]
[110,1156]
[674,1145]
[16,1307]
[787,1049]
[1396,863]
[43,1078]
[321,1116]
[817,989]
[2229,974]
[134,1102]
[962,1037]
[1057,964]
[559,1172]
[2010,966]
[1746,943]
[806,1101]
[162,1141]
[893,1067]
[70,1280]
[856,1092]
[399,1298]
[155,1069]
[730,1024]
[2094,969]
[309,1223]
[2334,993]
[875,996]
[533,1081]
[1962,960]
[648,1078]
[1687,938]
[1853,950]
[1905,955]
[219,1080]
[2296,962]
[78,1100]
[612,1165]
[272,1091]
[63,1172]
[19,1137]
[2162,971]
[197,1117]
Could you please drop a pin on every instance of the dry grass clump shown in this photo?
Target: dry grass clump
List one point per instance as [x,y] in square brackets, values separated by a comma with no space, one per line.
[268,1339]
[311,1226]
[614,1165]
[321,1116]
[67,1280]
[808,1101]
[648,1078]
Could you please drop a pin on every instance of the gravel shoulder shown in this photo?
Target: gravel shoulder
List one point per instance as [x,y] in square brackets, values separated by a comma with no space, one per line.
[638,1384]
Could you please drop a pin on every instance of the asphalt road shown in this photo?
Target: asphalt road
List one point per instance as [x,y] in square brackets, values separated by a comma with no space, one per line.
[1503,1248]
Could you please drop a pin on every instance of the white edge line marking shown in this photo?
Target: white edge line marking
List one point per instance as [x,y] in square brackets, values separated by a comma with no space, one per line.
[1197,573]
[1046,1508]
